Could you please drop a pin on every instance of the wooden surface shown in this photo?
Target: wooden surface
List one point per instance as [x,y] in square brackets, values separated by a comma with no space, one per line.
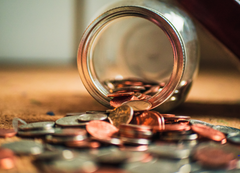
[30,92]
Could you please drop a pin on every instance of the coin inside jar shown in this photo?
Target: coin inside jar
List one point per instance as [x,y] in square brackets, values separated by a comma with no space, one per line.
[92,116]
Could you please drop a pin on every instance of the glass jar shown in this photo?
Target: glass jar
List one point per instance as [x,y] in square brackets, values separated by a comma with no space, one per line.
[146,40]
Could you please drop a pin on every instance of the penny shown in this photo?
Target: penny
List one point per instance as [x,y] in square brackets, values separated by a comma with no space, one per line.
[101,129]
[177,127]
[65,139]
[208,132]
[7,133]
[212,157]
[83,144]
[70,132]
[139,105]
[24,147]
[36,133]
[121,115]
[135,131]
[70,121]
[37,125]
[147,118]
[7,159]
[122,94]
[177,137]
[129,88]
[118,101]
[92,116]
[140,96]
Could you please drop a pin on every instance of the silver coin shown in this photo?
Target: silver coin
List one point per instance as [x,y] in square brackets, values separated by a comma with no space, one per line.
[95,112]
[187,137]
[234,139]
[227,130]
[173,151]
[70,121]
[66,132]
[49,155]
[135,141]
[74,113]
[35,133]
[25,147]
[61,140]
[111,141]
[193,121]
[139,105]
[116,157]
[37,125]
[80,163]
[92,116]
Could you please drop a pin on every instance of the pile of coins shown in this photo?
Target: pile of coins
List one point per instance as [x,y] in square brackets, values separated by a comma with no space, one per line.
[129,138]
[137,89]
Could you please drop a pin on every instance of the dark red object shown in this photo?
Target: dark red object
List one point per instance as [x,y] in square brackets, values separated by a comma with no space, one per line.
[220,17]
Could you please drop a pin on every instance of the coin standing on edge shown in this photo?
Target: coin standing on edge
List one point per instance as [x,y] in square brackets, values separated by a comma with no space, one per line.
[121,115]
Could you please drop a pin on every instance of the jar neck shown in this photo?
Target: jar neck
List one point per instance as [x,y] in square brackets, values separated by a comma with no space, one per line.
[85,64]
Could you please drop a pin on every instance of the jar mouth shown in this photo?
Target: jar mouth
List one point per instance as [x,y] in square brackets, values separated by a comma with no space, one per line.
[84,57]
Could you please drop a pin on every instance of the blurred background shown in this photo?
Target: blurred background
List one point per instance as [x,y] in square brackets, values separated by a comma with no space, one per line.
[48,33]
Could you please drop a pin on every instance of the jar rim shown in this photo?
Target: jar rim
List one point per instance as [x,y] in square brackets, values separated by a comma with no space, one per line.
[84,56]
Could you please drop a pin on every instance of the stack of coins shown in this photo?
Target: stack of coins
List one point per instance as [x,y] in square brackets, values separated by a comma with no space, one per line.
[136,89]
[129,138]
[36,129]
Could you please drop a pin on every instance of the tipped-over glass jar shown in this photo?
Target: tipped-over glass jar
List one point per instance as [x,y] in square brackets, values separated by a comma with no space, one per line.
[145,47]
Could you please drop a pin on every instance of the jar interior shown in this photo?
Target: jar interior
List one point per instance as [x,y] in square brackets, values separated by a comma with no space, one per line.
[131,47]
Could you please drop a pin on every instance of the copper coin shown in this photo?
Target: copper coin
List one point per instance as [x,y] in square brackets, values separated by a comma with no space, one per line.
[7,159]
[177,127]
[121,115]
[129,88]
[169,115]
[7,133]
[120,94]
[118,101]
[147,118]
[213,157]
[83,144]
[101,129]
[140,96]
[208,132]
[139,105]
[135,131]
